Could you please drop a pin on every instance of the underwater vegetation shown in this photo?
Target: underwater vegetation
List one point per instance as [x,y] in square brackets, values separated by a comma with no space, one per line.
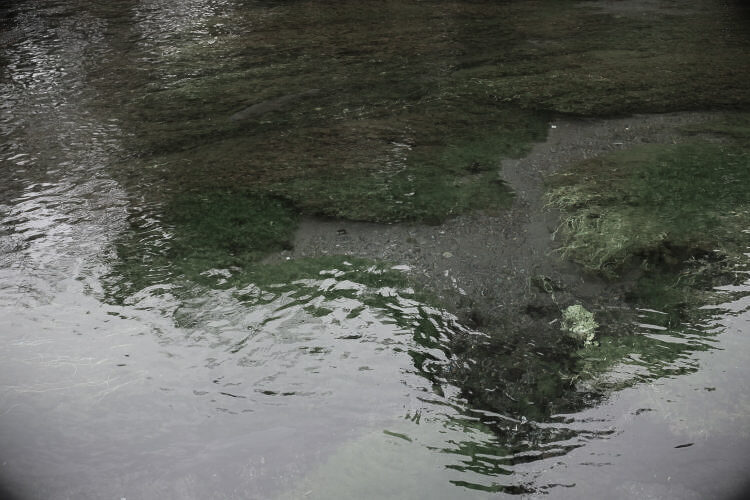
[244,224]
[196,232]
[394,115]
[580,60]
[579,324]
[653,204]
[673,220]
[149,240]
[679,212]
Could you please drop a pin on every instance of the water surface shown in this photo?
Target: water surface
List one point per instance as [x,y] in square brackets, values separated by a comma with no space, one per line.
[154,153]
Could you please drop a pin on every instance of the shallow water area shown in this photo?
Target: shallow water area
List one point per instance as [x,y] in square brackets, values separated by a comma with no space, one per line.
[162,336]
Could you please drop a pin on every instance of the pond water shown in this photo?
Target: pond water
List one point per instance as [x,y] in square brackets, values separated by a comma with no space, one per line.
[156,158]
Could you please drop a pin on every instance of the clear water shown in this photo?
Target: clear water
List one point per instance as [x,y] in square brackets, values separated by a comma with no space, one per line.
[124,374]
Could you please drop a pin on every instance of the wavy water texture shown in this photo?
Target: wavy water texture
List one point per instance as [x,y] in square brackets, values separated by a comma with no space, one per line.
[160,339]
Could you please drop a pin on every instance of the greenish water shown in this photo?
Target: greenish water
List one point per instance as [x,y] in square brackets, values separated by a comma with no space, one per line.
[157,157]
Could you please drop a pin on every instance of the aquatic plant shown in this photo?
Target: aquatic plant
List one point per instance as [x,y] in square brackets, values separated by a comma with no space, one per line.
[413,117]
[579,324]
[239,222]
[195,231]
[677,215]
[605,63]
[653,205]
[413,114]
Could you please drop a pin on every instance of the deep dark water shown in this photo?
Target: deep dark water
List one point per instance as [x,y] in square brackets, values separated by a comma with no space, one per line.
[158,156]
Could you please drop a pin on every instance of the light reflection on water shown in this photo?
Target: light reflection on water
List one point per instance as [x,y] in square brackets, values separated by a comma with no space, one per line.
[323,387]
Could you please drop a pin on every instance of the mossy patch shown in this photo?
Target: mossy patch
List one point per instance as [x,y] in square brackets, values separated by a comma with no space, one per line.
[243,224]
[414,109]
[581,59]
[579,324]
[653,205]
[195,232]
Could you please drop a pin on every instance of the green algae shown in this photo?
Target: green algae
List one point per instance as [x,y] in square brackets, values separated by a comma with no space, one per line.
[194,232]
[416,103]
[365,271]
[422,165]
[415,110]
[384,139]
[653,205]
[579,323]
[218,240]
[678,215]
[585,61]
[428,184]
[245,225]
